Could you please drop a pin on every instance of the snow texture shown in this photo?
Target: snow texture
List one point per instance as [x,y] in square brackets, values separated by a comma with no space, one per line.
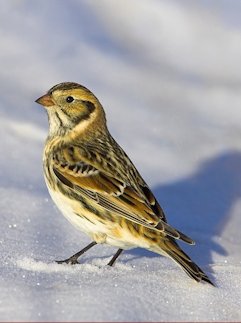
[168,74]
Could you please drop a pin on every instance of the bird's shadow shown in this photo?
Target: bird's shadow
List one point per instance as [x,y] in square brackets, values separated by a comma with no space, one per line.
[200,204]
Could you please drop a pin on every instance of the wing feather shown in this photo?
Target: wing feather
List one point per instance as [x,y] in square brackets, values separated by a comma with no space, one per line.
[114,192]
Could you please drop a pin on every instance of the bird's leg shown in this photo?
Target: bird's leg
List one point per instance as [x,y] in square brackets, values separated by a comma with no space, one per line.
[73,259]
[113,259]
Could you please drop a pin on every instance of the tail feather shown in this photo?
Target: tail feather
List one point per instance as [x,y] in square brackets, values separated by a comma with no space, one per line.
[173,233]
[180,257]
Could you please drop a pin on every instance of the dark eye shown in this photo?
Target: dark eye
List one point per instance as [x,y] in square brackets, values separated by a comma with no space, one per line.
[69,99]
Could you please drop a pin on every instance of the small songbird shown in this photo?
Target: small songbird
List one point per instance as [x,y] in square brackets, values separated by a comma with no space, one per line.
[97,187]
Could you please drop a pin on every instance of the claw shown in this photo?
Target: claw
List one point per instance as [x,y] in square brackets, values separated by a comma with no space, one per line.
[71,261]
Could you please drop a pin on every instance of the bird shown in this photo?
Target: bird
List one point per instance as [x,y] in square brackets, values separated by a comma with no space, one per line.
[97,187]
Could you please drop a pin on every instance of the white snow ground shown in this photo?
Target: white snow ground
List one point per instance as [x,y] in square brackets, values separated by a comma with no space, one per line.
[169,75]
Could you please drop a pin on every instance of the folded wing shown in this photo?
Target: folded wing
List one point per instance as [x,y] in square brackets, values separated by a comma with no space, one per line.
[112,189]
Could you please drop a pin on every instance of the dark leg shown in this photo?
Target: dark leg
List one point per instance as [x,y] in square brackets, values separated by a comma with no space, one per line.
[116,255]
[73,259]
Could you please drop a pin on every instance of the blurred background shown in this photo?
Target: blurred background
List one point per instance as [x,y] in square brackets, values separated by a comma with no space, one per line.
[168,74]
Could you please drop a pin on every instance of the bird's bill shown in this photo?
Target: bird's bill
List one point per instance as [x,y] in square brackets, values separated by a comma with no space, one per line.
[45,100]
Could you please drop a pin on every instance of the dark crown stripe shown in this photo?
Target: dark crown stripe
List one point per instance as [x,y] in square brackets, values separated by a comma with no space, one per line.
[67,86]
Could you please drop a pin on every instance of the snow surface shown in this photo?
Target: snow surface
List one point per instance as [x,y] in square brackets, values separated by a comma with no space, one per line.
[169,76]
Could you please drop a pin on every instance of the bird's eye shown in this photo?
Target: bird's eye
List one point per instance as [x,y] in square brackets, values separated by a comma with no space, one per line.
[69,99]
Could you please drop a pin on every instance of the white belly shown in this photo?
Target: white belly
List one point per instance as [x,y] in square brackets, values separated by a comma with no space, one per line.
[94,230]
[67,210]
[99,232]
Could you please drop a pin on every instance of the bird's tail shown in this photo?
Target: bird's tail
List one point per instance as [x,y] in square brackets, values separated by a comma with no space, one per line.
[171,248]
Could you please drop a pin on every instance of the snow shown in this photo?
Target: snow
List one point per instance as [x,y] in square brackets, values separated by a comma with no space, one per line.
[168,74]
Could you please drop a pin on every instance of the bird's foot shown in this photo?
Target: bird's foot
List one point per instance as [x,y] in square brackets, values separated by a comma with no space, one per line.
[71,261]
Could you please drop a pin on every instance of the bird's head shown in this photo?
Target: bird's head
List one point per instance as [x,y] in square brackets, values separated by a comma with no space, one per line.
[71,106]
